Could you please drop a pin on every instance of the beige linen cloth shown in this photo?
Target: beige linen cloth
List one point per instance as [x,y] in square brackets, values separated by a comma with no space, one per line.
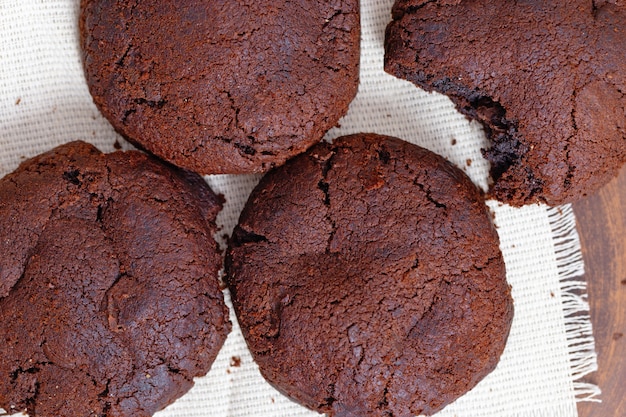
[44,102]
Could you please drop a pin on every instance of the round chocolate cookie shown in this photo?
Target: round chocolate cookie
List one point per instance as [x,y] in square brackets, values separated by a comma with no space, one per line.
[222,86]
[109,298]
[547,80]
[368,281]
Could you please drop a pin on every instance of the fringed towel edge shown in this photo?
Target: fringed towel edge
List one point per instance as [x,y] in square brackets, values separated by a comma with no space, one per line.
[578,328]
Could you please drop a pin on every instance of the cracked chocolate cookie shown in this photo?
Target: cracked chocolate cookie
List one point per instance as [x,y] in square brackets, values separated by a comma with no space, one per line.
[368,281]
[547,80]
[109,298]
[220,86]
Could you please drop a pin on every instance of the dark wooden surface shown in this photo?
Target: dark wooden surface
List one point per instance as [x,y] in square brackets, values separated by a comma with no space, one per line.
[602,228]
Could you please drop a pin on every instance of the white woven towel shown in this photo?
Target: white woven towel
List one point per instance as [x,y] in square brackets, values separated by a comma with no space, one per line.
[44,102]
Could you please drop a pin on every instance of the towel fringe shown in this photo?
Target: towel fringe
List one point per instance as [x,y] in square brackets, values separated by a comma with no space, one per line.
[578,329]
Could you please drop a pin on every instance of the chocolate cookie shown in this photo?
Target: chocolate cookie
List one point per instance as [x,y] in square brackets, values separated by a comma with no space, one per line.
[368,281]
[222,86]
[546,79]
[109,299]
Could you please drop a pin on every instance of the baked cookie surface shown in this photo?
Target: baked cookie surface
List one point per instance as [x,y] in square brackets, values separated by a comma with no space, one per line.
[547,80]
[220,86]
[368,281]
[109,298]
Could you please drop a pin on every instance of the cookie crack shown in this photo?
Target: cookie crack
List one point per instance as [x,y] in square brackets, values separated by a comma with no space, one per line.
[233,107]
[567,181]
[399,11]
[127,114]
[34,369]
[484,266]
[597,6]
[324,186]
[328,20]
[330,400]
[120,61]
[245,150]
[153,104]
[429,311]
[31,400]
[428,193]
[241,237]
[132,11]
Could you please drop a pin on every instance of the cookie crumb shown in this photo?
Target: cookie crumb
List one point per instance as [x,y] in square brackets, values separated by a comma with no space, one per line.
[18,101]
[117,145]
[235,361]
[453,142]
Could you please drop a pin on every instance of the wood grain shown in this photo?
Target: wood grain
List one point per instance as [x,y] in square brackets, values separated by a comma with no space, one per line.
[601,222]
